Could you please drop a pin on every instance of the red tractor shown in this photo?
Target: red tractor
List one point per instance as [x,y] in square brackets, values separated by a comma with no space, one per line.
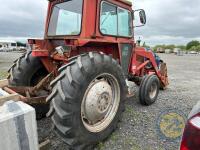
[78,72]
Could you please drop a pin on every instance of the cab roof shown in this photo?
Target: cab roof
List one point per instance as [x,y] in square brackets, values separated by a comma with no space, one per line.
[129,2]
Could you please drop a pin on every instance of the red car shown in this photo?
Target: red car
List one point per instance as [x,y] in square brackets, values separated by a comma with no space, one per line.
[191,135]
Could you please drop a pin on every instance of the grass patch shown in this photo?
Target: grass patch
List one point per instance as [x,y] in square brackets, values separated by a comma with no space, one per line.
[114,137]
[129,109]
[3,75]
[100,146]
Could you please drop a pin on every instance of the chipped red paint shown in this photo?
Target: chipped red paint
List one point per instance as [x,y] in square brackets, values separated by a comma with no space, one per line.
[90,39]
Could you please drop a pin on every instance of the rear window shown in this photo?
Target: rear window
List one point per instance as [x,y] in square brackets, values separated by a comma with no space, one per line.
[66,18]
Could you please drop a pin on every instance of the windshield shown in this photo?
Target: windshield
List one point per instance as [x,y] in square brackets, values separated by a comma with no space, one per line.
[66,18]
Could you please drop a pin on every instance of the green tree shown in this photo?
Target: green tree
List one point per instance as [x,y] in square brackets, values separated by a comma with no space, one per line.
[198,48]
[164,47]
[195,48]
[158,46]
[170,47]
[182,47]
[21,44]
[191,44]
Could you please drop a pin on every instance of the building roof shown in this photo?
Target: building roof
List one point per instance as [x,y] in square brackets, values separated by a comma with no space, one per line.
[7,41]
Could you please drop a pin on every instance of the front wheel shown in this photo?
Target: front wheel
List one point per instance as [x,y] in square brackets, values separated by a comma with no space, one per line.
[88,99]
[149,90]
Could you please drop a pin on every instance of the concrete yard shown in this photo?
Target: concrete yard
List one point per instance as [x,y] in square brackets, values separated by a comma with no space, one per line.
[6,60]
[157,127]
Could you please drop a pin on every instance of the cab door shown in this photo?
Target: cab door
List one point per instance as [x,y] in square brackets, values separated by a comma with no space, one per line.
[116,26]
[126,50]
[125,32]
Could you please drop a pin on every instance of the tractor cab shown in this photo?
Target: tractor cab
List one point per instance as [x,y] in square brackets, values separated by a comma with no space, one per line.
[90,19]
[79,26]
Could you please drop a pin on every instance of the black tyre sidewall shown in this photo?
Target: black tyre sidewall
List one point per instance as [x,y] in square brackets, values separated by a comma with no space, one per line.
[22,73]
[93,68]
[101,135]
[141,89]
[27,68]
[144,96]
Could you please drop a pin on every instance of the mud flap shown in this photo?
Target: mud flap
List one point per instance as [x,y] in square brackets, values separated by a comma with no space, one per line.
[164,74]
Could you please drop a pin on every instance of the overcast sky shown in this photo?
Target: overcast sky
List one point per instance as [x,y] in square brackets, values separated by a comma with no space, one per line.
[168,22]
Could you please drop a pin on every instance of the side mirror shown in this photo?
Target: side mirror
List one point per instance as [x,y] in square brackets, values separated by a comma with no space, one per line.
[142,17]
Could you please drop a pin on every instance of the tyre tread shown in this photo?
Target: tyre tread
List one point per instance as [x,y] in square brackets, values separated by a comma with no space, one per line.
[58,99]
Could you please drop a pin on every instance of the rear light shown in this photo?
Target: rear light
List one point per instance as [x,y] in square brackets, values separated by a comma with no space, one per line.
[191,136]
[195,122]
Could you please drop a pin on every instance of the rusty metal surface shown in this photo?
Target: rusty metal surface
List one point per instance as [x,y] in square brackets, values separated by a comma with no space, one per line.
[22,91]
[164,75]
[45,145]
[36,100]
[43,84]
[32,95]
[13,97]
[3,83]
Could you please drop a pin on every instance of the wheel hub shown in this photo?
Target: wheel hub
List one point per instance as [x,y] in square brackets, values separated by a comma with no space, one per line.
[98,101]
[153,91]
[104,101]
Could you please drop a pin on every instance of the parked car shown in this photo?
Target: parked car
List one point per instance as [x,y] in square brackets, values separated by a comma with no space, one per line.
[191,134]
[193,52]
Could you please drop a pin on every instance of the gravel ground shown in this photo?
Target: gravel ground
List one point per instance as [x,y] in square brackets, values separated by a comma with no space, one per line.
[138,130]
[6,60]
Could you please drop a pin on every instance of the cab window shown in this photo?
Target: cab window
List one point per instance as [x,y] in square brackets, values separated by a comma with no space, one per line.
[115,21]
[124,22]
[66,18]
[108,19]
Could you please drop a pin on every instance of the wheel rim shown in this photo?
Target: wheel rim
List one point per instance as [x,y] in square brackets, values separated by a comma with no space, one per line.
[100,103]
[153,90]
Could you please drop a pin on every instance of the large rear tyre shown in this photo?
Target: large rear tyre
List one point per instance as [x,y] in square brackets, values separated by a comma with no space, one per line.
[149,90]
[28,71]
[87,100]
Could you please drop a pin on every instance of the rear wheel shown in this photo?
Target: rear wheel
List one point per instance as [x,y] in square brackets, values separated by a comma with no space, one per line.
[149,90]
[87,100]
[28,71]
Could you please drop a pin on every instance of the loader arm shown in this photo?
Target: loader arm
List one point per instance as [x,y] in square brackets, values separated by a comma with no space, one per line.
[141,58]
